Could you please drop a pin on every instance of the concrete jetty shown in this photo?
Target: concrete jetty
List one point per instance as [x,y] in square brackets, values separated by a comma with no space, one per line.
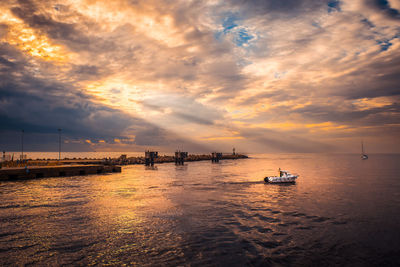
[41,168]
[33,172]
[122,160]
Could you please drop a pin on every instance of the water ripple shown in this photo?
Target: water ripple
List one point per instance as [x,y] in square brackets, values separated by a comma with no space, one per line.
[208,215]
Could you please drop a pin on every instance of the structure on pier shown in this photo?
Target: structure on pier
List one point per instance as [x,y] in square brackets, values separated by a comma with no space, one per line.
[216,156]
[149,157]
[180,157]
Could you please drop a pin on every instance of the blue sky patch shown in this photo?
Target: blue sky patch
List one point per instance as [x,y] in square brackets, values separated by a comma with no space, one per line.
[333,5]
[230,26]
[243,37]
[384,44]
[384,5]
[229,23]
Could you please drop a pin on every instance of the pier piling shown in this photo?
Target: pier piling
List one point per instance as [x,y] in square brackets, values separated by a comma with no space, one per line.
[216,156]
[180,157]
[149,157]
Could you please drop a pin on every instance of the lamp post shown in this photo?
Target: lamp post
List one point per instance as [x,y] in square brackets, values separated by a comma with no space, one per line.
[22,145]
[59,144]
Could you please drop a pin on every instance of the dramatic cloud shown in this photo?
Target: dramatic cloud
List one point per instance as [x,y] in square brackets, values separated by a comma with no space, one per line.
[263,76]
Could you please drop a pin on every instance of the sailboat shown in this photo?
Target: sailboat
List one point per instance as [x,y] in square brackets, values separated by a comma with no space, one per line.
[363,155]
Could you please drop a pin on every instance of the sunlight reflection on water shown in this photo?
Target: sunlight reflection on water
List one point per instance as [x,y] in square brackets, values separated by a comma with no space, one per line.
[342,210]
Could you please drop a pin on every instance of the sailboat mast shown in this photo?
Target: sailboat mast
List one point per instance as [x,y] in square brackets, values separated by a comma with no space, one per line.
[363,155]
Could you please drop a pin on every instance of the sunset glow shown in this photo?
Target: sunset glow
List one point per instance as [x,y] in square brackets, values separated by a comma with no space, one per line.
[315,76]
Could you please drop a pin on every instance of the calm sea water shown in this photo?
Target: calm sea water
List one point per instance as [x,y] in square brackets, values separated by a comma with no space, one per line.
[342,211]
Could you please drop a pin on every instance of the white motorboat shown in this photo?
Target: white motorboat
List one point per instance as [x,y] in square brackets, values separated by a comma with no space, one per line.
[284,177]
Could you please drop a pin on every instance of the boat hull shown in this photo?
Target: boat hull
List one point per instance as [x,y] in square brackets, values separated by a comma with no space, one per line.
[280,180]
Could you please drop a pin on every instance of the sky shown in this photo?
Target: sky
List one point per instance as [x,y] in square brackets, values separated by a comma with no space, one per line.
[262,76]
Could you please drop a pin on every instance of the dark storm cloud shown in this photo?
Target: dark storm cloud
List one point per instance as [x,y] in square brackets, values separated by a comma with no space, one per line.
[43,105]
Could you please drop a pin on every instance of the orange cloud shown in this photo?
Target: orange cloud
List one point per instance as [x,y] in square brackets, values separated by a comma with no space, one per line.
[30,41]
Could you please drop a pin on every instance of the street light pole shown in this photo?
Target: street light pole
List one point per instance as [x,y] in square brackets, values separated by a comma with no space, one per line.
[22,145]
[59,144]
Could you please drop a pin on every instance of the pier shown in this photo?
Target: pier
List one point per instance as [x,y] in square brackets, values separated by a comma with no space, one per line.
[42,168]
[122,160]
[34,172]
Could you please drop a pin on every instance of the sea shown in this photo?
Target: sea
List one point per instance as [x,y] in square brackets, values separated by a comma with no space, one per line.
[342,211]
